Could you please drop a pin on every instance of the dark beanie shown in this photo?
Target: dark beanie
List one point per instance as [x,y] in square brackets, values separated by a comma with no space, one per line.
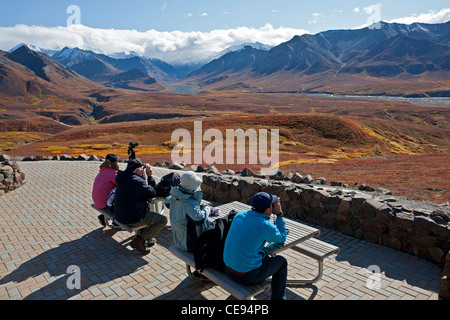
[112,157]
[133,165]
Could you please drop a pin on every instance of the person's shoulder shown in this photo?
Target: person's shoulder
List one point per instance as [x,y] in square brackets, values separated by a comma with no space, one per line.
[111,171]
[243,214]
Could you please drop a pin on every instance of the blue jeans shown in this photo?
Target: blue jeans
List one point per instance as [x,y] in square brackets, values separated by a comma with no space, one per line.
[271,266]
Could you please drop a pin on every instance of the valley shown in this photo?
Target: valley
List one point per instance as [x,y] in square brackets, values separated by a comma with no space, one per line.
[356,106]
[392,144]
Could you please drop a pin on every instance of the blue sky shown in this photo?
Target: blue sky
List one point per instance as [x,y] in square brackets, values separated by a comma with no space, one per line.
[173,28]
[206,15]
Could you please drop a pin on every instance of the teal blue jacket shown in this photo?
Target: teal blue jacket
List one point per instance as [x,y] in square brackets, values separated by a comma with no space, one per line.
[188,217]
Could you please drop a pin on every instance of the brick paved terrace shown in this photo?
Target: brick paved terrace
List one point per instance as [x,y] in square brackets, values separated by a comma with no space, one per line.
[49,224]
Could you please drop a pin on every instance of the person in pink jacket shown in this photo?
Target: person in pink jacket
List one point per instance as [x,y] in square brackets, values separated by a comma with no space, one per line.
[104,183]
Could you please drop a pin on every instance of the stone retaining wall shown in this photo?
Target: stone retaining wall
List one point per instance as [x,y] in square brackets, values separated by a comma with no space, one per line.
[378,219]
[11,177]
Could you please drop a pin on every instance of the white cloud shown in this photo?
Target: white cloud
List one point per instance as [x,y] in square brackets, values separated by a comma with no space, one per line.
[318,17]
[356,10]
[172,47]
[335,12]
[164,6]
[431,16]
[321,17]
[204,14]
[187,15]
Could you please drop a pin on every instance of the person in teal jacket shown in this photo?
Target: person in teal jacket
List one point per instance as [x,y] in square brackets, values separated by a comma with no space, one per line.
[188,217]
[244,254]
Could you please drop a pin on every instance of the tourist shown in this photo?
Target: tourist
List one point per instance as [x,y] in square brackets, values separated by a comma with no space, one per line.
[104,183]
[188,217]
[131,205]
[244,257]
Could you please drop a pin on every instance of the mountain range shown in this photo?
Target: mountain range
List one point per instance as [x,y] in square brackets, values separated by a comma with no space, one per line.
[368,60]
[394,59]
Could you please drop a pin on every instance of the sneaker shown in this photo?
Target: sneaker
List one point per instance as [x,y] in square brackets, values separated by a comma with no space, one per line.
[197,276]
[138,244]
[102,220]
[150,243]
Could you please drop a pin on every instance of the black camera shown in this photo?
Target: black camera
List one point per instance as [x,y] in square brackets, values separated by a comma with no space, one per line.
[131,152]
[133,145]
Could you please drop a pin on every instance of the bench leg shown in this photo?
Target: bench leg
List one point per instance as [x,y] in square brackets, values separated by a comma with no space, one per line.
[189,272]
[307,281]
[107,223]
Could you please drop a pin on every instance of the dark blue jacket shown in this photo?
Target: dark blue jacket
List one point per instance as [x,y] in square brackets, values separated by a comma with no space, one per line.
[132,194]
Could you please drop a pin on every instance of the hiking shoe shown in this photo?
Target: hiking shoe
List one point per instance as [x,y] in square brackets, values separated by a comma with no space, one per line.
[102,220]
[138,244]
[197,276]
[150,243]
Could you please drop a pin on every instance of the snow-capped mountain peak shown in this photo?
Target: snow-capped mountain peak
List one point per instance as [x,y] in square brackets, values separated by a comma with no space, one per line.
[254,45]
[34,48]
[70,56]
[124,55]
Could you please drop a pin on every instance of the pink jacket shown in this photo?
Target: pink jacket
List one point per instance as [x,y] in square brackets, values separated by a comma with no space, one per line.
[104,183]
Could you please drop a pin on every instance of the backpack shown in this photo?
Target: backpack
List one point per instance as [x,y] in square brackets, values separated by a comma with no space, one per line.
[208,252]
[111,198]
[168,181]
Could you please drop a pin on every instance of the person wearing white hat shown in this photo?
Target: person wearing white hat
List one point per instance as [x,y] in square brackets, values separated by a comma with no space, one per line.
[188,217]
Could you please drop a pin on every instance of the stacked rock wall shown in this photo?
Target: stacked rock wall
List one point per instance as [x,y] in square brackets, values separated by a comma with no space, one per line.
[11,177]
[378,219]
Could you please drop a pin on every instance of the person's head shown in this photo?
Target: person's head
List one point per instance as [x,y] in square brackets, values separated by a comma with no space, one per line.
[111,162]
[190,181]
[262,202]
[135,166]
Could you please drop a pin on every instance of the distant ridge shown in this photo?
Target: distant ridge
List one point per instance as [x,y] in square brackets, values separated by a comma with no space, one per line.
[341,61]
[393,59]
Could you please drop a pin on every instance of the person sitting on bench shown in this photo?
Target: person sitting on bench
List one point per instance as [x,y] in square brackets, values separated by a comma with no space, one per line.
[187,216]
[104,183]
[131,207]
[244,257]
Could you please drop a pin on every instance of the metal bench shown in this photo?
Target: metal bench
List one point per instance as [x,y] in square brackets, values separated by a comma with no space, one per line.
[317,250]
[237,290]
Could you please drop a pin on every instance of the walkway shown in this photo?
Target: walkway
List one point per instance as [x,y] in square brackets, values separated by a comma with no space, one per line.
[48,225]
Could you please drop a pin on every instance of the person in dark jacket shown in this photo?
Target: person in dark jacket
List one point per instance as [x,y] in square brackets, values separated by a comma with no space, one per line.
[131,206]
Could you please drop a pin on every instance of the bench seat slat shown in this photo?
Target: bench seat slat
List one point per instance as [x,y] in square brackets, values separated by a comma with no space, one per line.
[239,291]
[316,249]
[156,205]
